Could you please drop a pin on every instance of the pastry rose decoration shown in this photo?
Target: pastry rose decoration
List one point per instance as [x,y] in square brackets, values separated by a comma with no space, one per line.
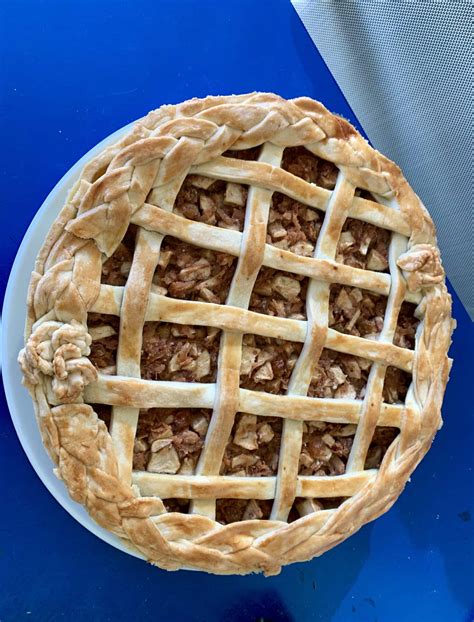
[421,266]
[59,350]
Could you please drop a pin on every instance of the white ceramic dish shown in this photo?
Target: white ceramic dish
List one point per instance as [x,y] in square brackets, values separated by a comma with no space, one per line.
[14,313]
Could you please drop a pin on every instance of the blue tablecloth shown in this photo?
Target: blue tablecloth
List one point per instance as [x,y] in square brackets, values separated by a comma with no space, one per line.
[72,74]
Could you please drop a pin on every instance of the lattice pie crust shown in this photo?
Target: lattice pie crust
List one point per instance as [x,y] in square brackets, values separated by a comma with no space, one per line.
[237,334]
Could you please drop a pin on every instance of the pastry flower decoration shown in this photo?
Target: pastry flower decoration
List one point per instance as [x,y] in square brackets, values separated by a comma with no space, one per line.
[60,351]
[421,266]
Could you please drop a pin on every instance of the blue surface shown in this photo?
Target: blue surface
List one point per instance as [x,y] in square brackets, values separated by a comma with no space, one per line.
[75,72]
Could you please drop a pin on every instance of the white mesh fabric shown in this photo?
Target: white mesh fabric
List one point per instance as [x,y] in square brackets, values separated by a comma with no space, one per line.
[405,67]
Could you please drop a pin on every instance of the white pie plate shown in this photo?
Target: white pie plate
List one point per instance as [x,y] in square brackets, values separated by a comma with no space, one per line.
[14,314]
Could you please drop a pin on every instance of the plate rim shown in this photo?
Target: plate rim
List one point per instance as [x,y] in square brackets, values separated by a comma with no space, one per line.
[10,372]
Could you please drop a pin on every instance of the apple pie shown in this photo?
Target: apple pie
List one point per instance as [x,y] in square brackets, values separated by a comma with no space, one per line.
[237,334]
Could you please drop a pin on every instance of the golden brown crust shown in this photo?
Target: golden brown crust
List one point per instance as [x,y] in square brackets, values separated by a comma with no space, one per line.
[125,184]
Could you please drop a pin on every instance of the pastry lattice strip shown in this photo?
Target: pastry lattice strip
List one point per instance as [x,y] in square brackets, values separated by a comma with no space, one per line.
[317,304]
[189,312]
[234,320]
[122,391]
[230,356]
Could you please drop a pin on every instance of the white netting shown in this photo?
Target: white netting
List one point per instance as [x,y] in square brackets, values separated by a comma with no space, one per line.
[406,70]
